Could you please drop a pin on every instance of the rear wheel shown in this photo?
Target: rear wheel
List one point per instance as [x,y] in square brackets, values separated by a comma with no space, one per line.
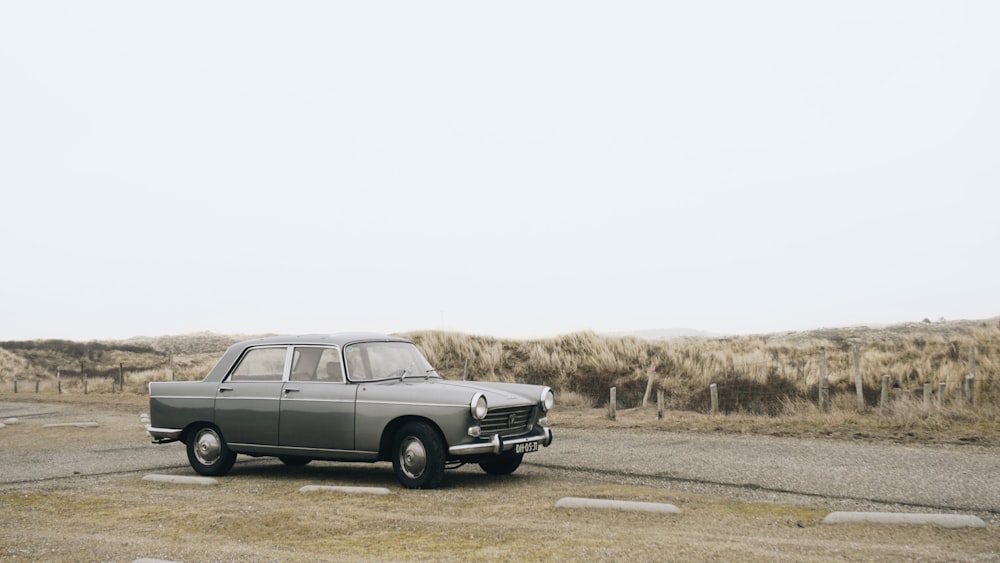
[418,456]
[504,464]
[208,453]
[294,460]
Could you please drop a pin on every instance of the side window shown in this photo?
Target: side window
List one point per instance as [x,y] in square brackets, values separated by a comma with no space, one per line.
[315,363]
[329,368]
[260,364]
[303,364]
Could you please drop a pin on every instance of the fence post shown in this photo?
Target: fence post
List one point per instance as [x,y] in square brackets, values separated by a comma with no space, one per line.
[15,384]
[58,381]
[83,374]
[824,382]
[611,405]
[659,404]
[714,391]
[940,395]
[651,373]
[972,376]
[37,381]
[857,378]
[927,396]
[884,401]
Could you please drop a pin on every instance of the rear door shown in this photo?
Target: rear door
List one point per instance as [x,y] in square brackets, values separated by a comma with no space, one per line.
[248,399]
[317,404]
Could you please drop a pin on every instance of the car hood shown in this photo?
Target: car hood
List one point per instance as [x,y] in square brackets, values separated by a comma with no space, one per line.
[498,394]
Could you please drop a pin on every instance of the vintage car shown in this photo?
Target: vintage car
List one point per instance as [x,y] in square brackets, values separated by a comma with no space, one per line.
[348,397]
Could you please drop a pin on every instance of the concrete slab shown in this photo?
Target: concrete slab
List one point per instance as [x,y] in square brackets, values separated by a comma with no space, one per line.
[180,479]
[943,520]
[577,502]
[71,424]
[339,489]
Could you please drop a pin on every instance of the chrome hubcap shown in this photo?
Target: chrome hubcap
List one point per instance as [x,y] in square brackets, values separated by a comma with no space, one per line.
[207,447]
[412,457]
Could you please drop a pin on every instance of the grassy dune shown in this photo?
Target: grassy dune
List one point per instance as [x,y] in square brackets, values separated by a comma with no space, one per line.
[773,374]
[759,374]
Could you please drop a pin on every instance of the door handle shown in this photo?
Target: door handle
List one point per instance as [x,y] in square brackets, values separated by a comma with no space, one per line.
[223,389]
[290,389]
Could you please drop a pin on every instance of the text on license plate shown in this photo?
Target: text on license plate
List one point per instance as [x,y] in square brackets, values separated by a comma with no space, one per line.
[526,447]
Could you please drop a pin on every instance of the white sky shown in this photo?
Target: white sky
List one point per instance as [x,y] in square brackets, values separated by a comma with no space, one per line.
[509,169]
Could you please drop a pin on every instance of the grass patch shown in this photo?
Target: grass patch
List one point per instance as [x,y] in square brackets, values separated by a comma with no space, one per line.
[956,426]
[262,517]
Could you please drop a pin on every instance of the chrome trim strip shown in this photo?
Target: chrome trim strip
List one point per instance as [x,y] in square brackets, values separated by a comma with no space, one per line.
[307,400]
[241,445]
[463,407]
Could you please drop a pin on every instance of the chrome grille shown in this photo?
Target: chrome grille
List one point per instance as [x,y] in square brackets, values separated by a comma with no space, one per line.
[507,421]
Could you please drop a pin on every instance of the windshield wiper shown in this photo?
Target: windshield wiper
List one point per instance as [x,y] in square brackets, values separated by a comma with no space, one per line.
[427,374]
[402,376]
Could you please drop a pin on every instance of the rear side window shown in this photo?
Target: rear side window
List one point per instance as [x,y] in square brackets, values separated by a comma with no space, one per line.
[260,364]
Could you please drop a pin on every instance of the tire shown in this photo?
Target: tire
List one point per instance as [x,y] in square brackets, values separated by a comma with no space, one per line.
[418,456]
[294,460]
[504,464]
[208,453]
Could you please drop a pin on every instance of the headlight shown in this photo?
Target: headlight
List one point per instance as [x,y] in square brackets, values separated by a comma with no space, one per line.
[547,399]
[478,406]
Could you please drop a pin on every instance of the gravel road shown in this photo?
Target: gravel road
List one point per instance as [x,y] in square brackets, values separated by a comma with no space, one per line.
[841,475]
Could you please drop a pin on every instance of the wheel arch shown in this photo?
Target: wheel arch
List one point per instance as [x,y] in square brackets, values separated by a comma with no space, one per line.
[191,427]
[389,432]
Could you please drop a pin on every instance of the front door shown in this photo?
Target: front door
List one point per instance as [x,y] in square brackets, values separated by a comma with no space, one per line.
[317,404]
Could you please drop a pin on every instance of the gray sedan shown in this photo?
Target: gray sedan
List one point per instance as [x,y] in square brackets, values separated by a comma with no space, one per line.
[348,397]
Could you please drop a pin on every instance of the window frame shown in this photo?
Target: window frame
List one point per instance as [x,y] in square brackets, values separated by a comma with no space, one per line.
[230,377]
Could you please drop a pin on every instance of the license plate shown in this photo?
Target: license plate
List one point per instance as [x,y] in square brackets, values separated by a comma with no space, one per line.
[526,447]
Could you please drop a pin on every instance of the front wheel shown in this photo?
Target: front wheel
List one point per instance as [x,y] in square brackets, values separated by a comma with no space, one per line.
[208,453]
[504,464]
[418,456]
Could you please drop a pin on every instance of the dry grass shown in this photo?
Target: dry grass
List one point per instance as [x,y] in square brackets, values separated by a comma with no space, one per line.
[759,373]
[773,374]
[908,425]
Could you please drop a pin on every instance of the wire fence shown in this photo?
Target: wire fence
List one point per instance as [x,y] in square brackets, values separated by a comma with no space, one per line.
[100,379]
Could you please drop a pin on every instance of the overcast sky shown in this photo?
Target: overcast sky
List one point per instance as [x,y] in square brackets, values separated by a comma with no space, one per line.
[515,169]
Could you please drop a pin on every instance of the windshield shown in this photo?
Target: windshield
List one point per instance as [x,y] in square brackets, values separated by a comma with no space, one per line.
[382,360]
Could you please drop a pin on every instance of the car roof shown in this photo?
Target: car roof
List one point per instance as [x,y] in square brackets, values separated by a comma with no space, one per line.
[337,339]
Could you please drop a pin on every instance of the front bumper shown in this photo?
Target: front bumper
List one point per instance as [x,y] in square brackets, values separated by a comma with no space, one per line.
[498,445]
